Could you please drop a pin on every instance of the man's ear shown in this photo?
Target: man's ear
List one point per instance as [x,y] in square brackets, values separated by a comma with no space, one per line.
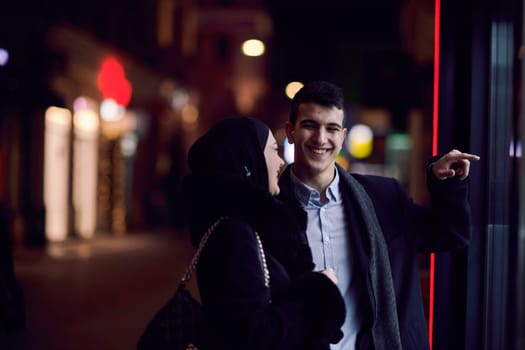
[289,128]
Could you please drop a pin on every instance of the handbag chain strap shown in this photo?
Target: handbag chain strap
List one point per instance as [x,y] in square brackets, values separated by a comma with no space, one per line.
[202,243]
[189,271]
[263,260]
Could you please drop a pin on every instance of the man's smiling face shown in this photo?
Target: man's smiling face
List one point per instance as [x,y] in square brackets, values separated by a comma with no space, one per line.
[318,136]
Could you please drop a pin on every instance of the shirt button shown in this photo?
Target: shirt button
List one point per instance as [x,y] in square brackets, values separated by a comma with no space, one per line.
[327,239]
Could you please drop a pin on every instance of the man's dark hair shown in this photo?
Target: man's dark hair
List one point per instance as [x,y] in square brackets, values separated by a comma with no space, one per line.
[321,92]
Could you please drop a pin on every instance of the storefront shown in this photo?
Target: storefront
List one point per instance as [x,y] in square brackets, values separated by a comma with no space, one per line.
[479,292]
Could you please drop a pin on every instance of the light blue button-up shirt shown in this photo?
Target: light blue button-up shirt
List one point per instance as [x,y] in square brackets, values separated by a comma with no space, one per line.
[329,240]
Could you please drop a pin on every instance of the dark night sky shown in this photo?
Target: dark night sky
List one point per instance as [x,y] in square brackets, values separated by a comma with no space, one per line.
[311,38]
[354,44]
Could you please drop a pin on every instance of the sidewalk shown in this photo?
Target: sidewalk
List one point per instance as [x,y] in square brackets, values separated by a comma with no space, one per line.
[97,294]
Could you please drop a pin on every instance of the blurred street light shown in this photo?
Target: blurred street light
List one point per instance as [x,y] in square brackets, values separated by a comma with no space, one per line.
[360,141]
[292,88]
[4,57]
[253,47]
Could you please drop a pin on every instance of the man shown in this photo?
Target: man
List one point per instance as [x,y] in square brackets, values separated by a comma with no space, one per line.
[366,228]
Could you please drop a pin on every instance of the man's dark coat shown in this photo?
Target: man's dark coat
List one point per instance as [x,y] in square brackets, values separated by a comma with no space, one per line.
[408,229]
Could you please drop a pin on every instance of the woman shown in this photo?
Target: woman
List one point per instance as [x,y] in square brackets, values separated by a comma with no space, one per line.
[234,171]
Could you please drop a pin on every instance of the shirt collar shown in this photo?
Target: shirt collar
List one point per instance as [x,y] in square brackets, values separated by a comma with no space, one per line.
[304,192]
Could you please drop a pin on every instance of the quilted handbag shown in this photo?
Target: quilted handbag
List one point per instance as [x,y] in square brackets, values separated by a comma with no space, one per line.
[179,324]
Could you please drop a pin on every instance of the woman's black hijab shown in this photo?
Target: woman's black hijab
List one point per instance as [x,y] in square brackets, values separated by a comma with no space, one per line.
[228,173]
[232,149]
[228,177]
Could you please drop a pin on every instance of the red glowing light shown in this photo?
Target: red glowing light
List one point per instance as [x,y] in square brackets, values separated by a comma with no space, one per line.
[112,82]
[435,123]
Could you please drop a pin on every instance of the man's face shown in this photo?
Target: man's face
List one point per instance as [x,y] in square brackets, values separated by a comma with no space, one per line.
[318,136]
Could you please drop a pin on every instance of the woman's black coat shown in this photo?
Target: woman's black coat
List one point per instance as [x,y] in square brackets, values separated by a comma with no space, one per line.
[300,309]
[302,312]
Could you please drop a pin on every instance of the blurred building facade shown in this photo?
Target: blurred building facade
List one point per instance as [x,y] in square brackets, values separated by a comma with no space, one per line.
[183,68]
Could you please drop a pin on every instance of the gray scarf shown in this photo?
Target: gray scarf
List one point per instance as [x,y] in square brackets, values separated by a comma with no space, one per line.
[385,330]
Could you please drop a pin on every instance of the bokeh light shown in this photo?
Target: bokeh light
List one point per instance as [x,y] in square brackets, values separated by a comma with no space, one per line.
[292,88]
[343,161]
[110,110]
[288,151]
[4,56]
[360,141]
[253,47]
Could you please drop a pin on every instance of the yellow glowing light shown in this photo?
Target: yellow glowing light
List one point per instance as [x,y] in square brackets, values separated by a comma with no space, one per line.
[114,129]
[360,141]
[86,121]
[253,47]
[56,172]
[85,160]
[58,115]
[190,114]
[292,88]
[342,161]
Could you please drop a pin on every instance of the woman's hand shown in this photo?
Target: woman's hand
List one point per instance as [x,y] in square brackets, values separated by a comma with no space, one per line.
[330,274]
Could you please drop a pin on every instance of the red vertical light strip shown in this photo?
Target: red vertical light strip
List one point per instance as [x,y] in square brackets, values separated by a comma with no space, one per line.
[435,123]
[436,78]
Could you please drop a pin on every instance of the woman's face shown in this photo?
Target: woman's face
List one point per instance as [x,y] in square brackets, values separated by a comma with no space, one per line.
[273,164]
